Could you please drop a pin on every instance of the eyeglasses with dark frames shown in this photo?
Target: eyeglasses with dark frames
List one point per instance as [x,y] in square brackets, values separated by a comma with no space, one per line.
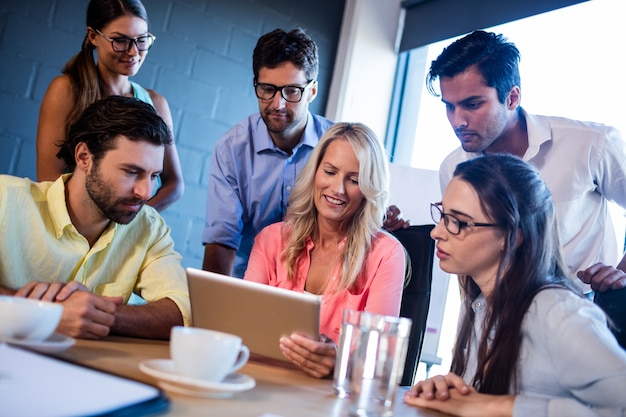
[453,225]
[291,93]
[123,44]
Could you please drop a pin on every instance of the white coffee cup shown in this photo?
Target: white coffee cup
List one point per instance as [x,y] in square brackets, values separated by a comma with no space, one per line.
[206,355]
[28,319]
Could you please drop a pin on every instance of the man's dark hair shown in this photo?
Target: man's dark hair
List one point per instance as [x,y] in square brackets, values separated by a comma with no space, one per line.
[278,46]
[494,57]
[103,121]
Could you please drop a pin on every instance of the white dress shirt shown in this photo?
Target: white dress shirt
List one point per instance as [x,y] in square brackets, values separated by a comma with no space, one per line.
[584,166]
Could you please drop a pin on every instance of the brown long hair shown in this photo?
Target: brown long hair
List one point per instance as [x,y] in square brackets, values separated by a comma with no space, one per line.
[512,195]
[87,84]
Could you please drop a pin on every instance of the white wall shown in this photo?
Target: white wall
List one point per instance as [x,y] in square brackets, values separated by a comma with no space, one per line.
[365,67]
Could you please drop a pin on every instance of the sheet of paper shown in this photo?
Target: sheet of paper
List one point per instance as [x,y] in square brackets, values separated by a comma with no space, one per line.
[35,385]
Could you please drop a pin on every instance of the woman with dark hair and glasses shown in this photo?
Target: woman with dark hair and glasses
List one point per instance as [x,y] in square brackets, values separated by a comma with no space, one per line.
[117,33]
[528,343]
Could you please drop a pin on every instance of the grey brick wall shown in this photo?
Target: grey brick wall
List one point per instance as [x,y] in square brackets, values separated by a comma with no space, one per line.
[201,63]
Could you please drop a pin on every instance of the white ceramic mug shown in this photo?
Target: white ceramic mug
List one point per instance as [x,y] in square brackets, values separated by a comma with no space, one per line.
[28,319]
[206,355]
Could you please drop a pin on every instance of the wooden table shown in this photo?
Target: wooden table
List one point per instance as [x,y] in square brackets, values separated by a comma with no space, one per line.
[279,392]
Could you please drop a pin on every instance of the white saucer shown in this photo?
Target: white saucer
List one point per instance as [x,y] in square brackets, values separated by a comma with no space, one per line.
[55,343]
[191,392]
[163,370]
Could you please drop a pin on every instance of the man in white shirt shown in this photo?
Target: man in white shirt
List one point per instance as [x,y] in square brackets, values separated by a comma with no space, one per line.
[583,164]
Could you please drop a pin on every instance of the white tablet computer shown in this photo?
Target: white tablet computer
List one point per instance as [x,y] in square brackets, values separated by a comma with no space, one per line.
[260,314]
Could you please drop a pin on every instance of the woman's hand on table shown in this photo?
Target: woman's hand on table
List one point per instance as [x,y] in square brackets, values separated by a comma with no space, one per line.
[438,387]
[451,395]
[313,357]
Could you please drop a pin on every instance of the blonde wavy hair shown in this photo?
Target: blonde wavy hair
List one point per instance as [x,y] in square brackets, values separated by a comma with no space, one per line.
[301,218]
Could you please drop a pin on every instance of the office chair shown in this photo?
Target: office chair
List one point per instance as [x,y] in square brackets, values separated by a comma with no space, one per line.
[613,302]
[416,295]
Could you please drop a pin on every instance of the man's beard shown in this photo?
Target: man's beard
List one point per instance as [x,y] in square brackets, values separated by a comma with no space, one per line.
[103,196]
[277,127]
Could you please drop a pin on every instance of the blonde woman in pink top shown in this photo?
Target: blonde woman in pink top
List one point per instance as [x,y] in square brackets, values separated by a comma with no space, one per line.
[332,242]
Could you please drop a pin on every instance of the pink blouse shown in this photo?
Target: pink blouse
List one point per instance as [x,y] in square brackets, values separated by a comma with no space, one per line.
[378,289]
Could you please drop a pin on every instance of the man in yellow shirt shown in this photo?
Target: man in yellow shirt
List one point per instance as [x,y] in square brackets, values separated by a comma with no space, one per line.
[86,240]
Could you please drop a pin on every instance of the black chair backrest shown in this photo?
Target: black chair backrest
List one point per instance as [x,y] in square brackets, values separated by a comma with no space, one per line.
[416,295]
[613,302]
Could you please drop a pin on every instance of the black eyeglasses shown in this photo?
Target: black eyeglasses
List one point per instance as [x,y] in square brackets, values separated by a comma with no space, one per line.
[143,43]
[453,225]
[291,93]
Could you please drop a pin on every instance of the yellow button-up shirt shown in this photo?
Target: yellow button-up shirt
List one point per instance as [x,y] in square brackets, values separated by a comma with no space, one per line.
[39,242]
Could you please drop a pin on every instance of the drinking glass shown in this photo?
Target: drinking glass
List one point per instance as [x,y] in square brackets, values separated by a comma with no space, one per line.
[378,364]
